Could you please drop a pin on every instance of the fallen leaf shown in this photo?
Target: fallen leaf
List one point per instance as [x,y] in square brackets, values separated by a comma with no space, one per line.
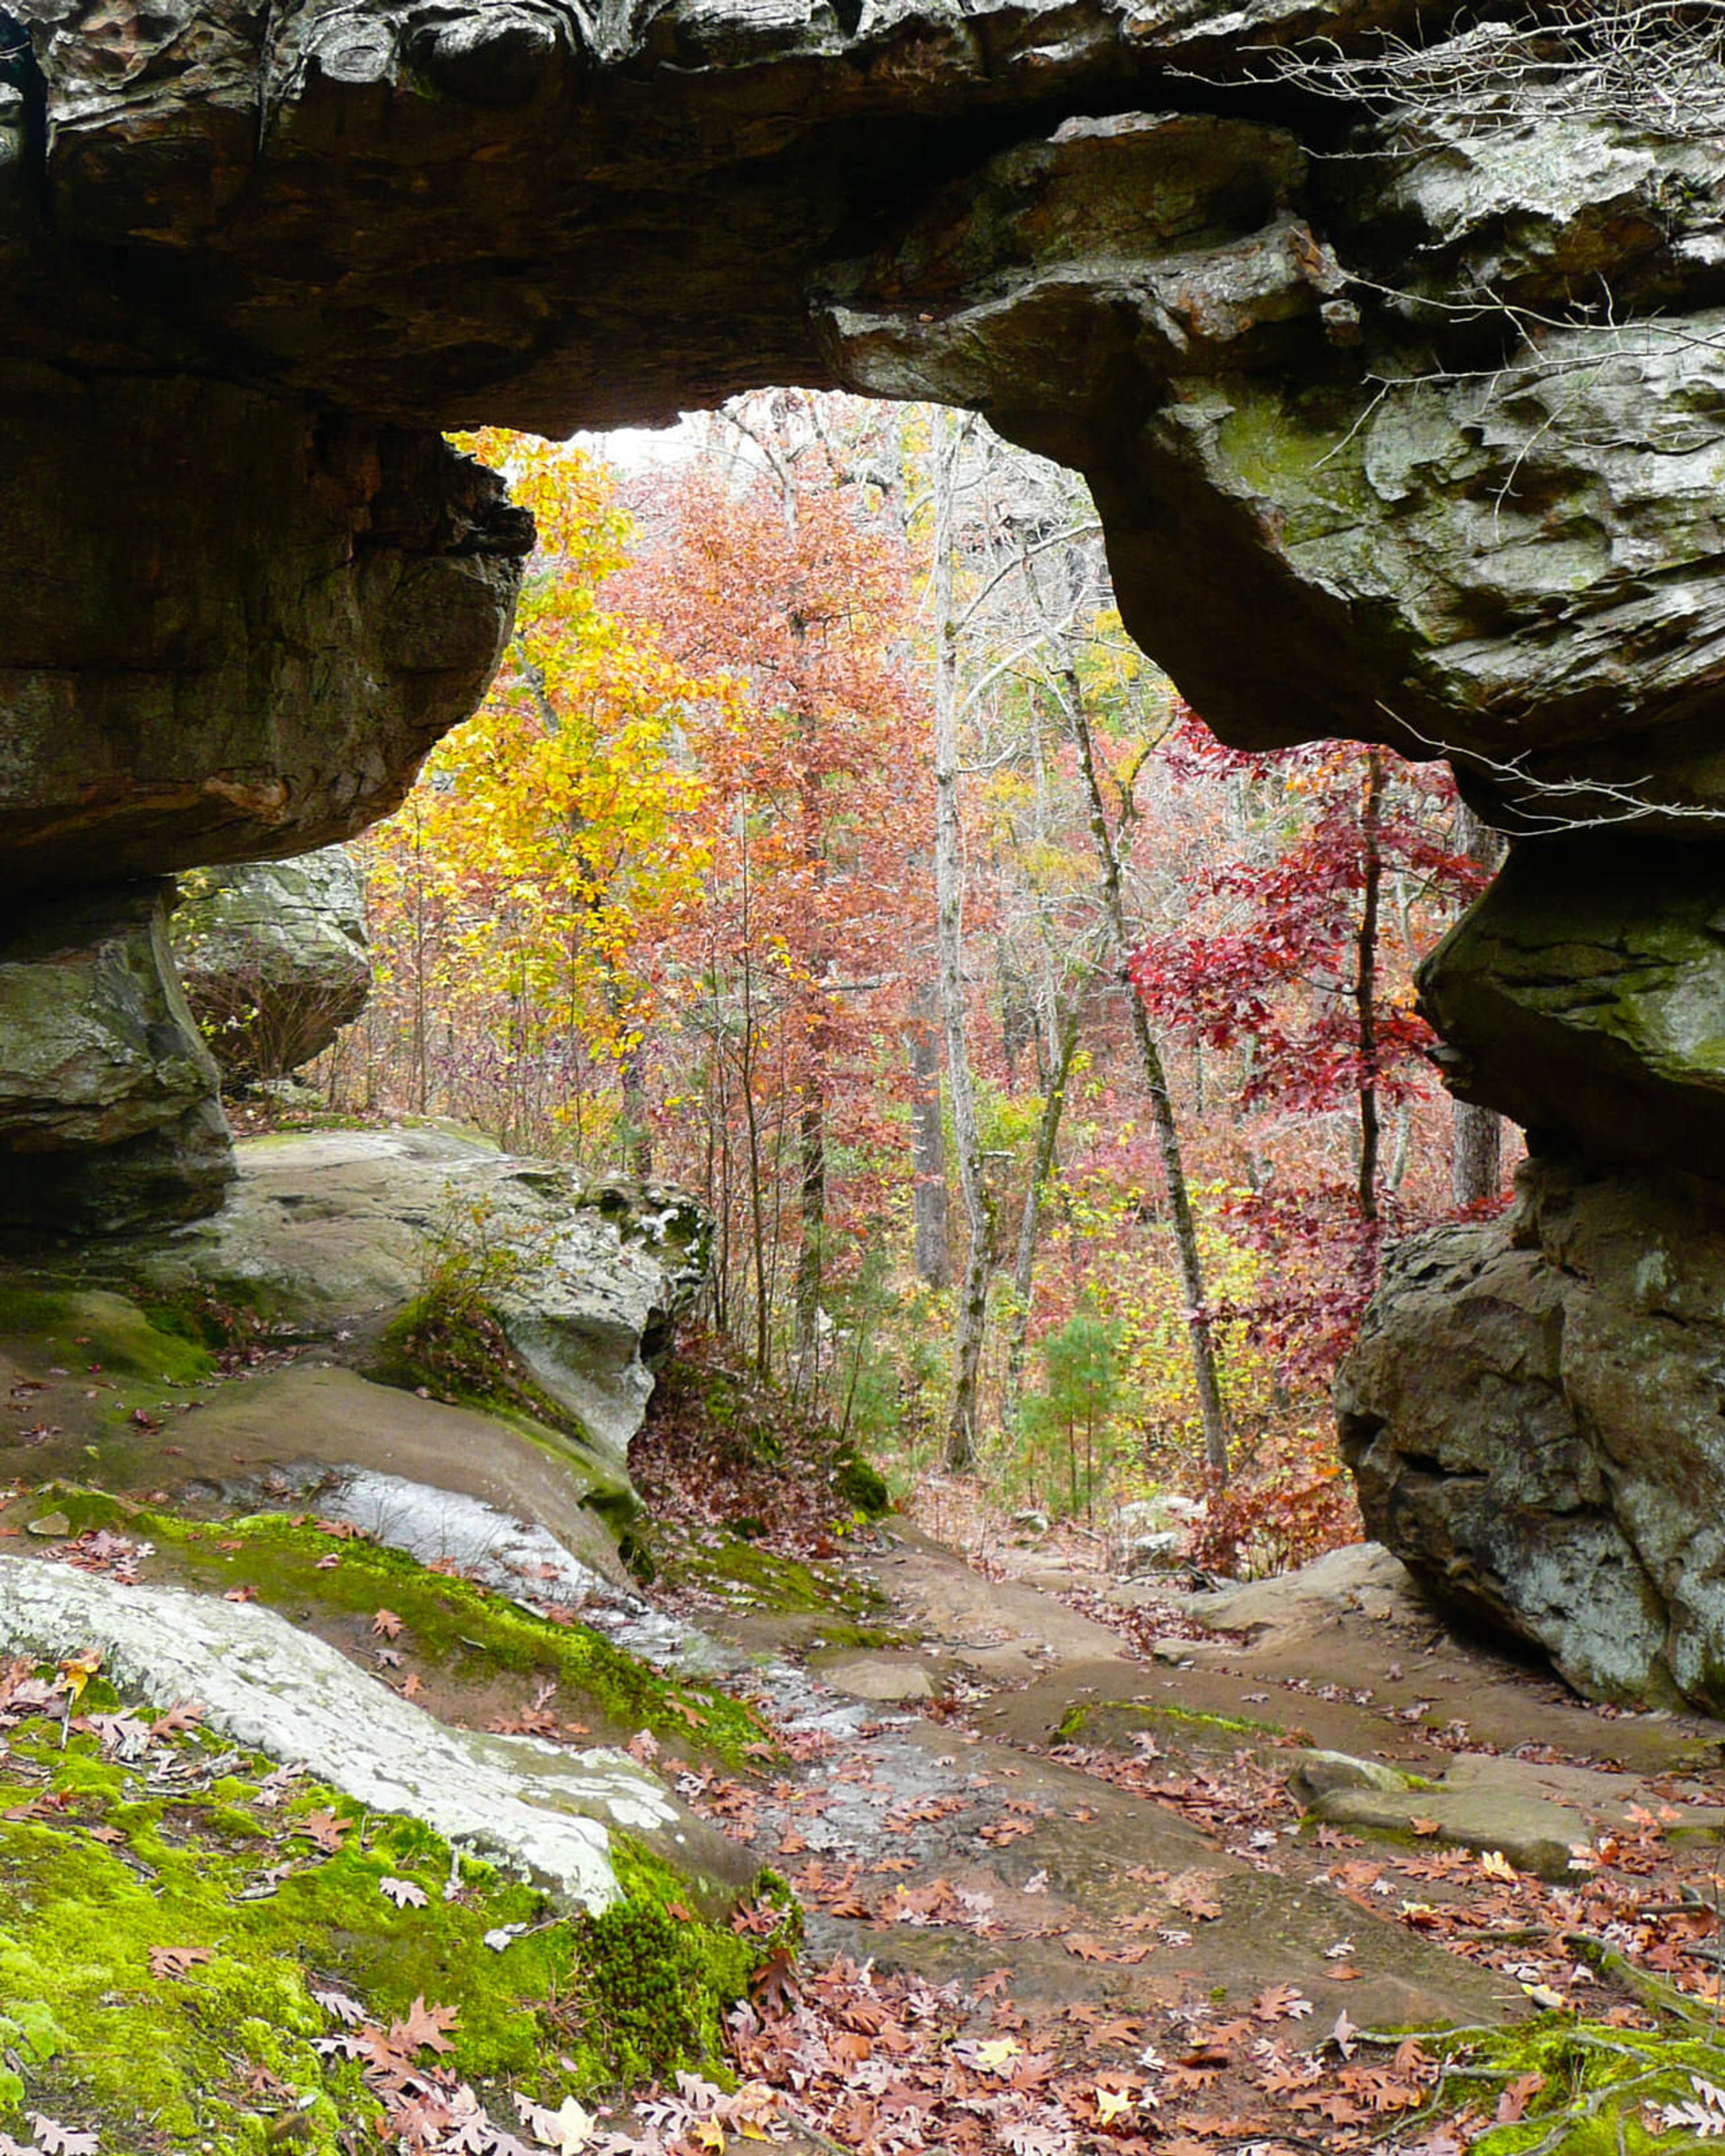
[568,2129]
[402,1892]
[175,1961]
[386,1624]
[59,2140]
[323,1827]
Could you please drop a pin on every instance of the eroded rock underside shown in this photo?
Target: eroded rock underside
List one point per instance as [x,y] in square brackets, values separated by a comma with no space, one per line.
[1402,409]
[274,958]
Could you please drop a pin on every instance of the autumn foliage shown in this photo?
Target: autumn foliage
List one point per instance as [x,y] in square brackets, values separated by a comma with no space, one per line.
[665,905]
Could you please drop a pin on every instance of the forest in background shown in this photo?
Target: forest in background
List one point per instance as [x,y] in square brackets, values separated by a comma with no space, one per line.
[826,847]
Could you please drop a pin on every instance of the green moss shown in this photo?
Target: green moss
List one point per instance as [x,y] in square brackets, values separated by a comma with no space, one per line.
[1598,2083]
[157,2059]
[653,1982]
[86,1328]
[860,1488]
[760,1578]
[1076,1719]
[869,1638]
[451,1624]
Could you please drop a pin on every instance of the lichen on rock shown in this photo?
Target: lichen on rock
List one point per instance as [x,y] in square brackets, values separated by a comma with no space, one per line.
[273,958]
[1532,1415]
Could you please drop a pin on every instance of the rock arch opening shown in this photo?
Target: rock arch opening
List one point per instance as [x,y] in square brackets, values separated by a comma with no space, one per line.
[1404,421]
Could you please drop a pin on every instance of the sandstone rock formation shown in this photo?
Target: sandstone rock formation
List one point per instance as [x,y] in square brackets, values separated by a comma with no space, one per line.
[1533,1415]
[336,1235]
[1585,994]
[1399,383]
[108,1113]
[273,958]
[539,1810]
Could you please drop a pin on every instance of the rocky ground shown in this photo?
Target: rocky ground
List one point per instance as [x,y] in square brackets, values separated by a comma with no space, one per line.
[1086,1865]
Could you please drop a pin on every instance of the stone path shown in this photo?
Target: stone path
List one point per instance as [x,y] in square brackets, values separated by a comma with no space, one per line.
[1170,1901]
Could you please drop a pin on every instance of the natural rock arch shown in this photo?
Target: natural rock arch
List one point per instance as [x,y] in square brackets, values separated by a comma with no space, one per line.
[1405,430]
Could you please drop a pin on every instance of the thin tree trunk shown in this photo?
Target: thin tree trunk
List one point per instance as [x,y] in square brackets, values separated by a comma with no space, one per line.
[1187,1255]
[928,1138]
[962,1430]
[1365,985]
[1476,1138]
[1023,1271]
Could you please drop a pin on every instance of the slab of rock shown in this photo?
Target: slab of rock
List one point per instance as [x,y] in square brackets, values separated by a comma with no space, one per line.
[884,1677]
[1533,1417]
[1363,1577]
[335,1231]
[108,1117]
[274,958]
[1543,1820]
[437,1481]
[536,1809]
[247,648]
[1585,995]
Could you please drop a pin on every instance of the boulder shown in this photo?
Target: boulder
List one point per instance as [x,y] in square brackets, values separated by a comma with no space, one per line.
[340,1235]
[1533,1417]
[1585,995]
[274,958]
[538,1809]
[247,648]
[109,1118]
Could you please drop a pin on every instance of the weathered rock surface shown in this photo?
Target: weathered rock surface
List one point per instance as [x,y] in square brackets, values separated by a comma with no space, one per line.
[108,1110]
[247,647]
[335,1233]
[1541,1819]
[274,958]
[1534,1417]
[1440,416]
[1275,366]
[1585,995]
[535,1808]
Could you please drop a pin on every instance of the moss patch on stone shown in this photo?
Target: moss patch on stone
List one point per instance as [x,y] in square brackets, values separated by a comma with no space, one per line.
[1117,1714]
[742,1573]
[453,1623]
[1603,2085]
[194,1846]
[89,1330]
[449,1624]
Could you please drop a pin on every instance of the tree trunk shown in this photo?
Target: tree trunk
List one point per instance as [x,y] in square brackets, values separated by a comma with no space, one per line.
[962,1427]
[1187,1255]
[1476,1142]
[928,1138]
[1023,1271]
[1365,984]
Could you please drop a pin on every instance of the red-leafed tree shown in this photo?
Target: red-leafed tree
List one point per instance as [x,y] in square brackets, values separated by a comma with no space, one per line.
[1296,959]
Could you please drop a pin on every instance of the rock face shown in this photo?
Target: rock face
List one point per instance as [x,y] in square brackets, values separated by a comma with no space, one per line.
[1416,367]
[108,1110]
[1585,996]
[274,959]
[1534,1417]
[247,648]
[337,1234]
[536,1809]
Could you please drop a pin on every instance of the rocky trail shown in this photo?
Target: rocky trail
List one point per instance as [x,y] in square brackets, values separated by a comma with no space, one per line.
[1196,1891]
[1085,1864]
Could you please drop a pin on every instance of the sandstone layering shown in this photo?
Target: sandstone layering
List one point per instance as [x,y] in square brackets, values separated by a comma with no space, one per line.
[1401,404]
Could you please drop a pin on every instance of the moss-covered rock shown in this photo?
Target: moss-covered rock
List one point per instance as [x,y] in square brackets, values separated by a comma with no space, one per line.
[1585,995]
[485,1278]
[187,1938]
